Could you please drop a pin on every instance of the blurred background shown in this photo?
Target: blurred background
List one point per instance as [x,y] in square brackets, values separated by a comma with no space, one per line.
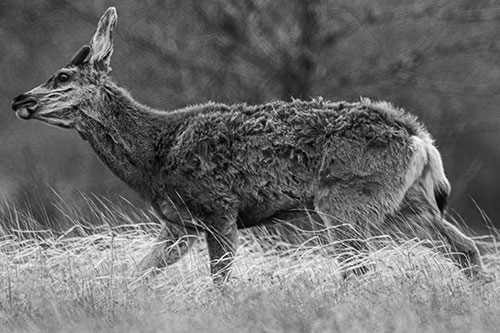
[437,59]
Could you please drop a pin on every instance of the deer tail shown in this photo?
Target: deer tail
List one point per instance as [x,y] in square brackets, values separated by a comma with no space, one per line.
[440,185]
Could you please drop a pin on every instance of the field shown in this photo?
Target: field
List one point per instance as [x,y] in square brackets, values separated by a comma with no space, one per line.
[83,280]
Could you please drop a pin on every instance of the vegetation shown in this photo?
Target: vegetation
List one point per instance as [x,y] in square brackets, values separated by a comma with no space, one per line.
[82,280]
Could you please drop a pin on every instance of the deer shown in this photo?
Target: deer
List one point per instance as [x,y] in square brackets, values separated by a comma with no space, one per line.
[214,168]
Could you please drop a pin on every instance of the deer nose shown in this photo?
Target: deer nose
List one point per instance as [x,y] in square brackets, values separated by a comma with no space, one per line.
[23,100]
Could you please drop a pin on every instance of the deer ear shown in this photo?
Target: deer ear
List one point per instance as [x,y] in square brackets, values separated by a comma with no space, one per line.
[102,42]
[80,57]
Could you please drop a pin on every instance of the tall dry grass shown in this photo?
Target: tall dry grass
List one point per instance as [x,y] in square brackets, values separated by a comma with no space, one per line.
[82,280]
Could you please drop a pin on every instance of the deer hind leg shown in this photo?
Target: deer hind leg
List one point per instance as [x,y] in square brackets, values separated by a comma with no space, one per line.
[352,214]
[419,218]
[430,225]
[172,243]
[464,249]
[352,249]
[295,226]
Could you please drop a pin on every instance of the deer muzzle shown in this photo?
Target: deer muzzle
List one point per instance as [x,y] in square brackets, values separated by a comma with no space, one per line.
[24,106]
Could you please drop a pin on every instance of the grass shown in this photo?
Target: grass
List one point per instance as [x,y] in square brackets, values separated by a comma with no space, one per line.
[83,281]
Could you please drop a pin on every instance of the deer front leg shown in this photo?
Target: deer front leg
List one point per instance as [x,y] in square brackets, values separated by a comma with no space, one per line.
[221,242]
[176,237]
[172,243]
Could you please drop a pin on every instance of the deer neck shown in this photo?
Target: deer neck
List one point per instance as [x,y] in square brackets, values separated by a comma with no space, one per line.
[125,141]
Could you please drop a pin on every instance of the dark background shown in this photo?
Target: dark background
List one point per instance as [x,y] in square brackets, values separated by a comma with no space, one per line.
[437,59]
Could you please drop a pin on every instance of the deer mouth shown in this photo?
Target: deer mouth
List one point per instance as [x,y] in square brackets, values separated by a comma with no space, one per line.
[27,107]
[25,113]
[24,107]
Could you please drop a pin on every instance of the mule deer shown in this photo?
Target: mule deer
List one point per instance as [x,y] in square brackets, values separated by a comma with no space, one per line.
[215,168]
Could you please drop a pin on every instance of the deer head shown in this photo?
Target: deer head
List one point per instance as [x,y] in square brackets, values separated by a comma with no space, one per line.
[69,95]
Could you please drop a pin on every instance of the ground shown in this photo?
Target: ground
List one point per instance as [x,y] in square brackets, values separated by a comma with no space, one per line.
[61,282]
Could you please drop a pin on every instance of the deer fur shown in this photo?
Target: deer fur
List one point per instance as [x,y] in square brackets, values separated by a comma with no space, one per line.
[215,168]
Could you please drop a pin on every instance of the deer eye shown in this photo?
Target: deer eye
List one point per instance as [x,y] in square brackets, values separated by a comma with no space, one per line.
[63,77]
